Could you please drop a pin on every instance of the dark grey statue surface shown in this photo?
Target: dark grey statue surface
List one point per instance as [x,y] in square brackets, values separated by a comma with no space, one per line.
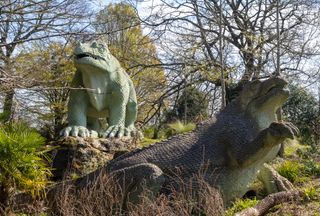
[233,147]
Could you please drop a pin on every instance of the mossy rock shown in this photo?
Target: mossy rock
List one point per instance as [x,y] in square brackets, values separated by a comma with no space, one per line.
[75,157]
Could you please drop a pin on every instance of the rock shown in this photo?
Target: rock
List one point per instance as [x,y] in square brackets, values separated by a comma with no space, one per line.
[75,156]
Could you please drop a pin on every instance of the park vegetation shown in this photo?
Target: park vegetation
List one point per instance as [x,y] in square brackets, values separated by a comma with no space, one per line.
[187,59]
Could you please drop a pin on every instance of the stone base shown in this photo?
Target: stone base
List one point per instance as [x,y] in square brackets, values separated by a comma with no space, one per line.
[76,156]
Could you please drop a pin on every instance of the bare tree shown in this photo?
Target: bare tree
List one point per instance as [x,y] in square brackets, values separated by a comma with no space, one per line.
[250,36]
[24,21]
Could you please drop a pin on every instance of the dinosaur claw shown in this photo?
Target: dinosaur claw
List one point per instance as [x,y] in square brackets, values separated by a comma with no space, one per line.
[76,131]
[93,134]
[284,129]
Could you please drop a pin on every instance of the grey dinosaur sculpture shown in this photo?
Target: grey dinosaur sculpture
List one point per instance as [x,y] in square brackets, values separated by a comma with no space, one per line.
[233,147]
[101,89]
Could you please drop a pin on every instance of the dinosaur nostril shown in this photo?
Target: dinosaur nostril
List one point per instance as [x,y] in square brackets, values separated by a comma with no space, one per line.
[94,44]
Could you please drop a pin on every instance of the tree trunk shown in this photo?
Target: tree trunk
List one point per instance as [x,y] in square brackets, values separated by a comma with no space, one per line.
[6,196]
[7,106]
[279,118]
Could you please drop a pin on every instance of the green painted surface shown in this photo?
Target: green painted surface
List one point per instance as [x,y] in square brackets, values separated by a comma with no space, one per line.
[101,89]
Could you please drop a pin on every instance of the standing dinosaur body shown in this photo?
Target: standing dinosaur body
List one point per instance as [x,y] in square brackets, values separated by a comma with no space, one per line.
[233,147]
[102,89]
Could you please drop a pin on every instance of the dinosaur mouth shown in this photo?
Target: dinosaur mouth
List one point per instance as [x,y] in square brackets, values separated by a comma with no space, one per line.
[274,85]
[89,55]
[277,93]
[279,88]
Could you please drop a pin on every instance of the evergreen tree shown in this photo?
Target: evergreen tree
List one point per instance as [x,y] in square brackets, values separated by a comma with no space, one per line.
[302,110]
[191,106]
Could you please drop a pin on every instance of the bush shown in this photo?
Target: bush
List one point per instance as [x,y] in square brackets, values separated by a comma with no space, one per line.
[21,162]
[311,168]
[302,110]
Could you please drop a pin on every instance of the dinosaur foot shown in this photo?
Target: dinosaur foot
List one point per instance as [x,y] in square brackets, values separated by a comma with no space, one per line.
[78,131]
[121,131]
[273,181]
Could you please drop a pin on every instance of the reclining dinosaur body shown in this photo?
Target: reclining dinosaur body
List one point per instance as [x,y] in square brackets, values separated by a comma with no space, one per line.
[233,147]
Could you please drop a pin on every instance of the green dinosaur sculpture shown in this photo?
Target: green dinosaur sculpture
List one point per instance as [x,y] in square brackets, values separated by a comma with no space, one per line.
[101,89]
[233,147]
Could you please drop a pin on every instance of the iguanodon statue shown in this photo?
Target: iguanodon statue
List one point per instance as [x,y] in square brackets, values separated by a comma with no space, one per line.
[233,147]
[101,89]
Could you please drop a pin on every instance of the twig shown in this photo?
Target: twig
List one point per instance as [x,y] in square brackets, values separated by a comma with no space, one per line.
[273,199]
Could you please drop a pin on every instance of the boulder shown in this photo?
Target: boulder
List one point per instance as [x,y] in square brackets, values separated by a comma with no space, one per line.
[75,156]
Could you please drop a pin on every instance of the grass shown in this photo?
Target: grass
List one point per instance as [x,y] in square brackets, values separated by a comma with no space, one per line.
[312,193]
[240,205]
[148,141]
[104,197]
[290,170]
[178,128]
[292,146]
[172,129]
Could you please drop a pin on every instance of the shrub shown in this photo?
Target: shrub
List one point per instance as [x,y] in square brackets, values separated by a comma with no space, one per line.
[301,109]
[311,167]
[21,162]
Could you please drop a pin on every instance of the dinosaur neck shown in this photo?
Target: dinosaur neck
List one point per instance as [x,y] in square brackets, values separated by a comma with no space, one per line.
[264,118]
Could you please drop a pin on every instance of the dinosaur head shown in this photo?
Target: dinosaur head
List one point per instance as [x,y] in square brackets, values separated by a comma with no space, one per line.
[92,54]
[261,99]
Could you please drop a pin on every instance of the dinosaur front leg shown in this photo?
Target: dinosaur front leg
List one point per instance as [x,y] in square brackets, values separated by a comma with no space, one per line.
[131,115]
[267,139]
[77,115]
[116,121]
[273,181]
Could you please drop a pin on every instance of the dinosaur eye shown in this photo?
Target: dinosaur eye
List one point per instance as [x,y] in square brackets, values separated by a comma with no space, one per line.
[255,84]
[101,48]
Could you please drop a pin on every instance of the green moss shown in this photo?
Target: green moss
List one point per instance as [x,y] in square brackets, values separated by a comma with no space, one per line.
[147,141]
[240,205]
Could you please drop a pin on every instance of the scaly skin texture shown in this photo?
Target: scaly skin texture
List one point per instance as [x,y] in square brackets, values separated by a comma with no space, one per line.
[102,89]
[233,147]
